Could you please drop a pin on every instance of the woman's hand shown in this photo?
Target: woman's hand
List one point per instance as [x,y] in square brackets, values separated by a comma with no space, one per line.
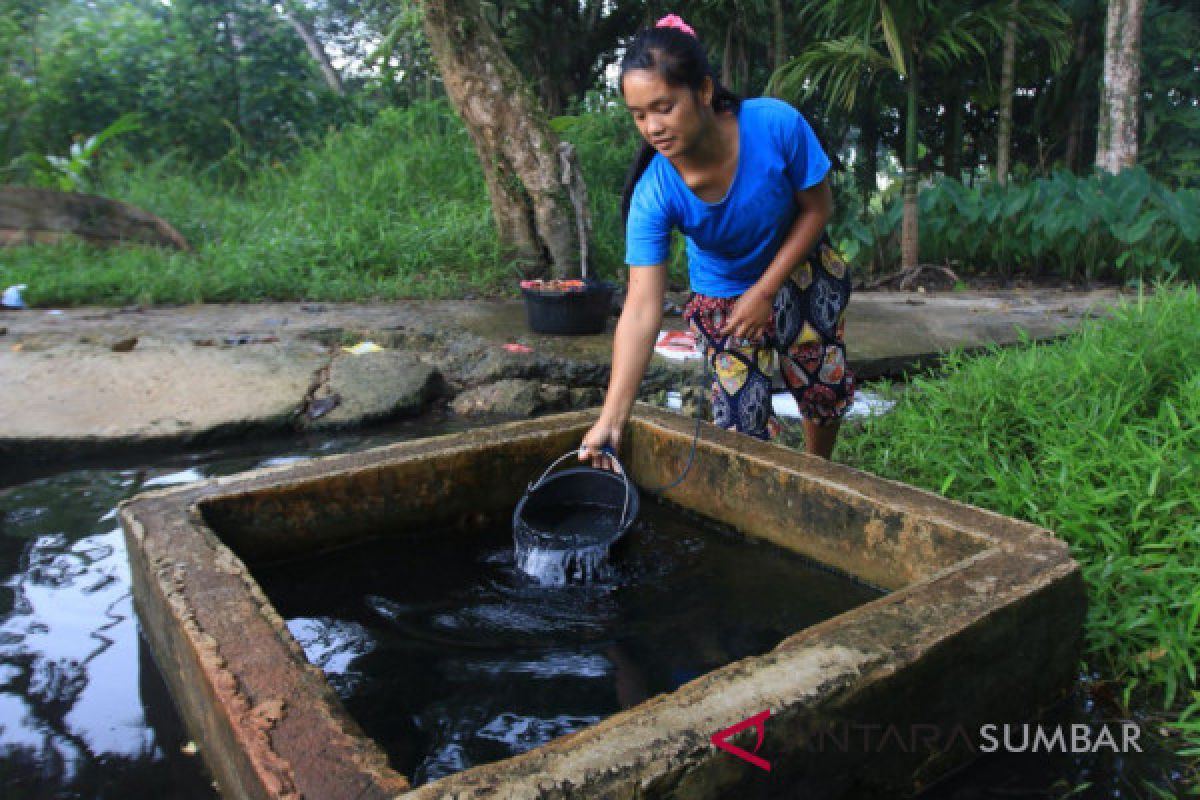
[603,434]
[751,315]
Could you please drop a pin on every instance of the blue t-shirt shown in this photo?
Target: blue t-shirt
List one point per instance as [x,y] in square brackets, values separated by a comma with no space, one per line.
[730,243]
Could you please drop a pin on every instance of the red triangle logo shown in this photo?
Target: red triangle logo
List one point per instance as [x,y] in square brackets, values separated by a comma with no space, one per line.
[758,721]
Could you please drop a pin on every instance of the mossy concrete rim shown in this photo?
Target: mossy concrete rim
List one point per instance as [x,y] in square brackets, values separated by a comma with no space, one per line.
[982,624]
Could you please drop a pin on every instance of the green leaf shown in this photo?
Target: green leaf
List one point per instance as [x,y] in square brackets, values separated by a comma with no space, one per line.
[892,37]
[1133,234]
[1018,198]
[563,124]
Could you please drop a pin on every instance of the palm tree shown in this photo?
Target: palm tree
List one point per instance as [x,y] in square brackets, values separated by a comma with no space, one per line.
[869,40]
[1029,20]
[742,32]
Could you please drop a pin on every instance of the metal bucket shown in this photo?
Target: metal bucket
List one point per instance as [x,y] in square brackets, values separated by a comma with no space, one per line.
[577,514]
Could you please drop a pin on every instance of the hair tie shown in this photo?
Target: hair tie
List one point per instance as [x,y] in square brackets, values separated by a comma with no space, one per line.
[675,21]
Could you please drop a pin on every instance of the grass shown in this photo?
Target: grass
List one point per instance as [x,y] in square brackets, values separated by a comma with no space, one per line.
[396,208]
[1096,437]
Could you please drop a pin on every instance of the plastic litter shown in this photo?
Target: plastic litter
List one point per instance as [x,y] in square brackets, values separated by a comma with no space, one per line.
[12,296]
[513,347]
[233,341]
[321,406]
[362,348]
[678,345]
[866,404]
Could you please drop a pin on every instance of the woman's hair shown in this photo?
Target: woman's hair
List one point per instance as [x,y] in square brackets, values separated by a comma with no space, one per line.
[680,59]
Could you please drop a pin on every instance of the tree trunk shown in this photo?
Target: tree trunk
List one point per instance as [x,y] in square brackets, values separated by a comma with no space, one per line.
[727,57]
[315,49]
[235,80]
[534,182]
[743,67]
[410,74]
[953,134]
[777,20]
[908,231]
[866,162]
[735,68]
[1116,140]
[1007,87]
[1075,126]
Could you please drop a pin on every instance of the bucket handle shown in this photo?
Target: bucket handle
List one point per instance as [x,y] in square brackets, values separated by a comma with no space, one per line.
[606,450]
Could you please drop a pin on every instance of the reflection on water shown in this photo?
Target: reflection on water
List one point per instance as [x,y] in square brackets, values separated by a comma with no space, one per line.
[83,709]
[333,645]
[451,656]
[74,718]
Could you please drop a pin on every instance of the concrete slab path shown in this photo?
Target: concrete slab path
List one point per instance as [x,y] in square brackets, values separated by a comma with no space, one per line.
[98,379]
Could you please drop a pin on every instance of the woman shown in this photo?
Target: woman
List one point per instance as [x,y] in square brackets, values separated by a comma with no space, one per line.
[746,183]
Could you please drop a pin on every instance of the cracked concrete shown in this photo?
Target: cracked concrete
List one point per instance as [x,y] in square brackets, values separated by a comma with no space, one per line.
[199,373]
[373,387]
[75,392]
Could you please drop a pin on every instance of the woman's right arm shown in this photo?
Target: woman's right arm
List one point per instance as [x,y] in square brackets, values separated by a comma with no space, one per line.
[633,343]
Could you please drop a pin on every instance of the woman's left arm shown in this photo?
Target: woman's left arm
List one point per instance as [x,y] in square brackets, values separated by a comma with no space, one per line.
[752,312]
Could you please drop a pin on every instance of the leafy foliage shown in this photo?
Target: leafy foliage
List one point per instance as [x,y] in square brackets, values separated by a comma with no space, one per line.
[228,82]
[1170,143]
[864,42]
[396,208]
[403,57]
[1096,438]
[563,46]
[213,80]
[71,173]
[1112,227]
[228,88]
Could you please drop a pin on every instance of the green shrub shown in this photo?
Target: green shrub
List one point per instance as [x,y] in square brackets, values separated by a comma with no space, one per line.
[398,208]
[200,86]
[1114,227]
[395,208]
[1096,437]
